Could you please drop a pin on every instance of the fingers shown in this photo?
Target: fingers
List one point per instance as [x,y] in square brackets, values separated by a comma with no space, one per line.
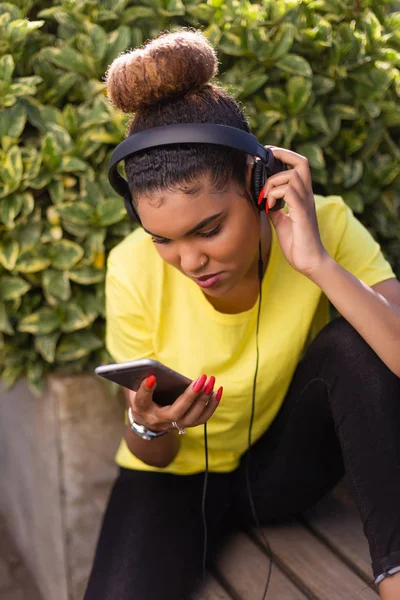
[297,161]
[192,408]
[189,409]
[182,404]
[143,398]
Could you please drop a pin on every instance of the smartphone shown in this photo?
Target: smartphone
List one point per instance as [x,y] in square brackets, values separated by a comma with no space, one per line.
[130,374]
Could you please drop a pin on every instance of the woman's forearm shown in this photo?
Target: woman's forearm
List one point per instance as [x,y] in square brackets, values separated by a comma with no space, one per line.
[375,318]
[159,452]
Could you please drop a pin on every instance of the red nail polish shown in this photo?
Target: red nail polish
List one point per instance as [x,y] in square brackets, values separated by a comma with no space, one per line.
[260,197]
[218,395]
[150,382]
[209,386]
[198,385]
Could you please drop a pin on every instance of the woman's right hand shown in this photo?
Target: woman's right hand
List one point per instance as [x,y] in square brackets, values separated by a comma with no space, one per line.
[194,407]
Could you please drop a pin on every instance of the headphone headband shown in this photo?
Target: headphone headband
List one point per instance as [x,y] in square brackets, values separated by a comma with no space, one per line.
[183,133]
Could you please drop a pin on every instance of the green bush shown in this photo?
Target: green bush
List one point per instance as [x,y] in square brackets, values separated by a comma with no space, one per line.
[318,76]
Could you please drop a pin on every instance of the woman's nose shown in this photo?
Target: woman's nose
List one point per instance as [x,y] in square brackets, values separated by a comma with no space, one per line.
[191,261]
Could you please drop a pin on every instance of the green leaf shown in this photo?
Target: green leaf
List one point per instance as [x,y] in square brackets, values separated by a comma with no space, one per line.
[86,275]
[322,85]
[231,44]
[80,213]
[111,211]
[118,40]
[66,254]
[29,235]
[45,320]
[5,325]
[313,153]
[10,375]
[51,153]
[252,85]
[299,91]
[354,200]
[19,29]
[348,113]
[266,120]
[292,63]
[8,254]
[282,42]
[13,287]
[317,119]
[77,345]
[68,59]
[10,208]
[98,38]
[11,170]
[25,86]
[75,318]
[12,124]
[32,261]
[56,285]
[46,345]
[72,164]
[7,66]
[137,12]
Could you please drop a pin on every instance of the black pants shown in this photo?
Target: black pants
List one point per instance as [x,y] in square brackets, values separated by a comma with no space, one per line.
[341,413]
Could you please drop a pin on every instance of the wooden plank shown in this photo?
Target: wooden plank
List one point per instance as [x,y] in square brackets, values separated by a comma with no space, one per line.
[243,566]
[336,520]
[212,590]
[313,565]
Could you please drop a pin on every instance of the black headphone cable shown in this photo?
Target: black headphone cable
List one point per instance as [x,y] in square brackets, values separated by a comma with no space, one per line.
[248,486]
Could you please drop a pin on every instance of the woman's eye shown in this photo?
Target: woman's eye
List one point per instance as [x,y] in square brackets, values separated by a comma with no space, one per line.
[210,233]
[160,240]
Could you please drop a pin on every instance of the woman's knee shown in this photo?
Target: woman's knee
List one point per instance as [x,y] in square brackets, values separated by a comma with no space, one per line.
[341,343]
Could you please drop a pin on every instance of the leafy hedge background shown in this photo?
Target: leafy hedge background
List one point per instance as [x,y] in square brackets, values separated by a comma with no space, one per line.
[318,76]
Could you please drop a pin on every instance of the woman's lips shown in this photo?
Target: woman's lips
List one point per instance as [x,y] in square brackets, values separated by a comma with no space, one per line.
[207,281]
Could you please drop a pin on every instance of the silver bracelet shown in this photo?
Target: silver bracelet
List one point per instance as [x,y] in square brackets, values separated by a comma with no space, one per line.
[141,430]
[386,574]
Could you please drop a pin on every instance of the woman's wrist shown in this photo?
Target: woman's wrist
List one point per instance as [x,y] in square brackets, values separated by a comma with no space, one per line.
[160,452]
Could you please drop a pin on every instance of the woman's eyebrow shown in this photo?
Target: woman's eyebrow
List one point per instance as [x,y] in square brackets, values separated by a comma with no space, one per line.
[202,223]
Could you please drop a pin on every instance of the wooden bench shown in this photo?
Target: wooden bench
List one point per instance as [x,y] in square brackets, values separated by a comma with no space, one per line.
[324,557]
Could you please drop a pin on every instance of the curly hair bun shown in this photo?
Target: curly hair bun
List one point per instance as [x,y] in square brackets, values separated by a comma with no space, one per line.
[169,66]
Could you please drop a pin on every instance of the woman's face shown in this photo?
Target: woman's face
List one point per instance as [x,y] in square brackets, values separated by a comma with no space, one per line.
[217,229]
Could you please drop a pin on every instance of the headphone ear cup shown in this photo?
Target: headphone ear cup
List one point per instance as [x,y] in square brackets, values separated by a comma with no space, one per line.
[130,209]
[258,178]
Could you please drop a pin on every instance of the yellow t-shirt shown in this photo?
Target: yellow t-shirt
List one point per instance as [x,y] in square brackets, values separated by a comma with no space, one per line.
[153,311]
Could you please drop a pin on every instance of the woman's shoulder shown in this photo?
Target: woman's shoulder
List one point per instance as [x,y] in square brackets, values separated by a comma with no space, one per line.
[134,251]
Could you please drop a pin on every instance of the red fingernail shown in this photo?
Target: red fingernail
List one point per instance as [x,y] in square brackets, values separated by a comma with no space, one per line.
[209,386]
[198,385]
[260,197]
[218,395]
[150,381]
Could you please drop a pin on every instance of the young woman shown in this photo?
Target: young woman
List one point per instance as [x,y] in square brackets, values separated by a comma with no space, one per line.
[184,290]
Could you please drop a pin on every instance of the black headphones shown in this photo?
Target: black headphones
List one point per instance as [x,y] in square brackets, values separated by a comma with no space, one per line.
[265,163]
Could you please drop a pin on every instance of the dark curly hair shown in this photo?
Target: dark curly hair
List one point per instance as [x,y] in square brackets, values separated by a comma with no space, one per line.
[167,82]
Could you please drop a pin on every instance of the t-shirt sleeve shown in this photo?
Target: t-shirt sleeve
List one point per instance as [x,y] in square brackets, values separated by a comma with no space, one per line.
[128,329]
[359,253]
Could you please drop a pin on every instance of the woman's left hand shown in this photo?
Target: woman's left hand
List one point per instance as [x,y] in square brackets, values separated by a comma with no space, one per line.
[297,231]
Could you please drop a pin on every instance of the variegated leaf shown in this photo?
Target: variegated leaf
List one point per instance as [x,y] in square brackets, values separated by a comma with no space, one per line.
[9,254]
[45,320]
[77,345]
[66,254]
[56,284]
[46,345]
[13,287]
